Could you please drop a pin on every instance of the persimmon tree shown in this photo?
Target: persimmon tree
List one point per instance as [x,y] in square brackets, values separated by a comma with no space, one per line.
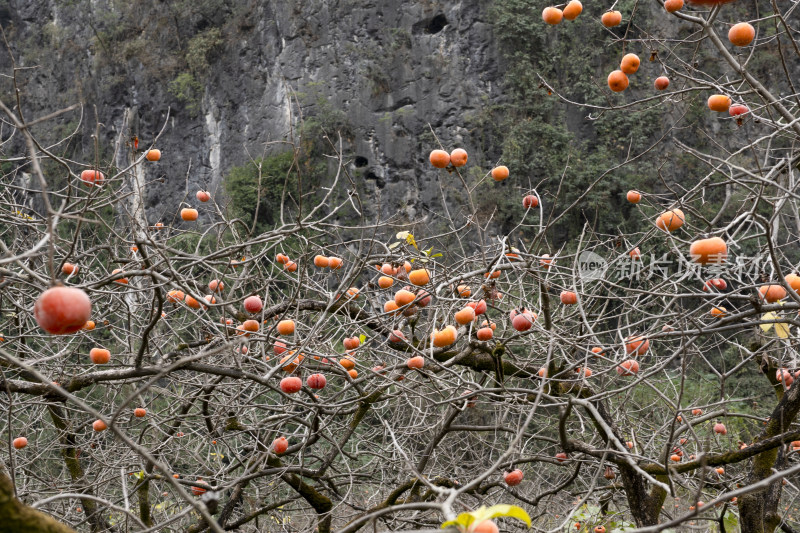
[341,371]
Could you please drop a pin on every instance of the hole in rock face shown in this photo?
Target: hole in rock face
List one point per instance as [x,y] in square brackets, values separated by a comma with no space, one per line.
[360,161]
[373,175]
[430,26]
[436,24]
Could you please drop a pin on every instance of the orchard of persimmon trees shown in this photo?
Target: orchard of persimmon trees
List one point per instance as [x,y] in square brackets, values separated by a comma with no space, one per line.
[348,373]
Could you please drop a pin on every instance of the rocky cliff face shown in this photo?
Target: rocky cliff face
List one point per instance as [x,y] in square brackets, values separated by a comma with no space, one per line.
[227,78]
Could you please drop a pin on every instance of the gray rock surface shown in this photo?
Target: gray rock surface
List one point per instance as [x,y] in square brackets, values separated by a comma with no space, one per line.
[391,67]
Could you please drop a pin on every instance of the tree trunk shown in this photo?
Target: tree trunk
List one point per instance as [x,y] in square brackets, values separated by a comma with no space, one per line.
[16,517]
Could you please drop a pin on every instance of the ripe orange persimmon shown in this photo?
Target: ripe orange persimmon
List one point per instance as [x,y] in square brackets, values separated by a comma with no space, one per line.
[384,282]
[352,293]
[419,277]
[175,296]
[122,281]
[316,381]
[216,285]
[718,312]
[250,325]
[92,177]
[89,326]
[290,362]
[253,304]
[62,310]
[351,343]
[484,334]
[617,81]
[529,201]
[203,196]
[522,321]
[439,158]
[719,103]
[636,345]
[465,316]
[500,173]
[139,412]
[630,64]
[153,155]
[628,368]
[670,220]
[741,34]
[99,425]
[415,362]
[334,263]
[68,269]
[635,254]
[20,442]
[736,110]
[286,327]
[282,258]
[793,281]
[673,5]
[552,15]
[290,266]
[709,251]
[458,157]
[353,373]
[291,384]
[568,298]
[390,307]
[513,477]
[573,9]
[634,197]
[487,526]
[280,445]
[99,356]
[611,19]
[320,261]
[403,297]
[479,306]
[662,82]
[189,214]
[444,337]
[772,293]
[191,302]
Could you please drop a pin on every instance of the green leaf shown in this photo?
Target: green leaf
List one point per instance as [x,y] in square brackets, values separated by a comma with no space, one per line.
[767,316]
[731,522]
[781,328]
[437,254]
[464,520]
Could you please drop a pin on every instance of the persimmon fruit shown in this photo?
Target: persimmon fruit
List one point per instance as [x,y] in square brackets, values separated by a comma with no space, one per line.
[458,157]
[189,214]
[439,158]
[62,310]
[611,19]
[618,81]
[552,15]
[741,34]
